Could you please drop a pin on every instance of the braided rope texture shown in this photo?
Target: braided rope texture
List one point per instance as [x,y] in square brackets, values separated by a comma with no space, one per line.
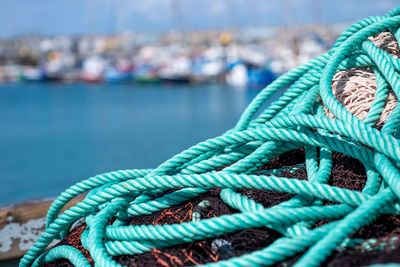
[232,162]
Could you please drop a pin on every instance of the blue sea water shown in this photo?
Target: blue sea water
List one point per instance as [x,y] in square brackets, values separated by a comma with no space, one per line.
[54,135]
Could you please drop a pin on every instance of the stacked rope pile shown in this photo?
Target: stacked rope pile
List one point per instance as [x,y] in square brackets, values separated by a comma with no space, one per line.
[231,162]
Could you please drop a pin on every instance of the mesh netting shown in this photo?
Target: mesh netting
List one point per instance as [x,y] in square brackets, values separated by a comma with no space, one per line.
[355,88]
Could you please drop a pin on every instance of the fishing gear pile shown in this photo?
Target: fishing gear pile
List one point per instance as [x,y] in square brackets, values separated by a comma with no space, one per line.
[309,179]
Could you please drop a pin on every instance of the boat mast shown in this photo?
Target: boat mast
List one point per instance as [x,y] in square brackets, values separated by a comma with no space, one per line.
[178,19]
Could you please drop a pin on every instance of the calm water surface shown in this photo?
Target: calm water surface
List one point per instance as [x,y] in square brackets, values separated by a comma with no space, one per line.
[53,135]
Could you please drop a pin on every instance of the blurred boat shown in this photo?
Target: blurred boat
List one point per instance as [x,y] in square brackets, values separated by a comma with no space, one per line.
[12,73]
[237,75]
[54,76]
[145,73]
[248,75]
[259,77]
[147,79]
[93,69]
[58,65]
[114,75]
[91,77]
[177,70]
[208,67]
[176,78]
[33,74]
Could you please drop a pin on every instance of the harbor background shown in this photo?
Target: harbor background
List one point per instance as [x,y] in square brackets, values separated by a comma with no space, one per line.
[88,87]
[123,86]
[54,135]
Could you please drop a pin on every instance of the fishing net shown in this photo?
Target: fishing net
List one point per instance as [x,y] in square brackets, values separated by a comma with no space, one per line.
[355,88]
[309,180]
[376,243]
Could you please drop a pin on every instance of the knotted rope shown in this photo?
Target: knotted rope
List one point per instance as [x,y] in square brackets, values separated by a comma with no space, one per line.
[230,161]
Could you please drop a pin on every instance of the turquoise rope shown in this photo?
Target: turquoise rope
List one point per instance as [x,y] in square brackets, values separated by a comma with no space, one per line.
[63,252]
[296,119]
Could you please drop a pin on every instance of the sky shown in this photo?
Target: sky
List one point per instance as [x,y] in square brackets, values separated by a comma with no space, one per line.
[76,17]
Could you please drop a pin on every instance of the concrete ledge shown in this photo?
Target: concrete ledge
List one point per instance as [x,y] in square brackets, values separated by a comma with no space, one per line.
[21,225]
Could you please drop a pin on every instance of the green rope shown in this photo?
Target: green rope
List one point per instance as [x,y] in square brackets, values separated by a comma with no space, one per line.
[295,120]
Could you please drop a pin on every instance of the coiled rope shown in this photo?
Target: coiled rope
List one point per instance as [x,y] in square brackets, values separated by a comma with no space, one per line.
[297,119]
